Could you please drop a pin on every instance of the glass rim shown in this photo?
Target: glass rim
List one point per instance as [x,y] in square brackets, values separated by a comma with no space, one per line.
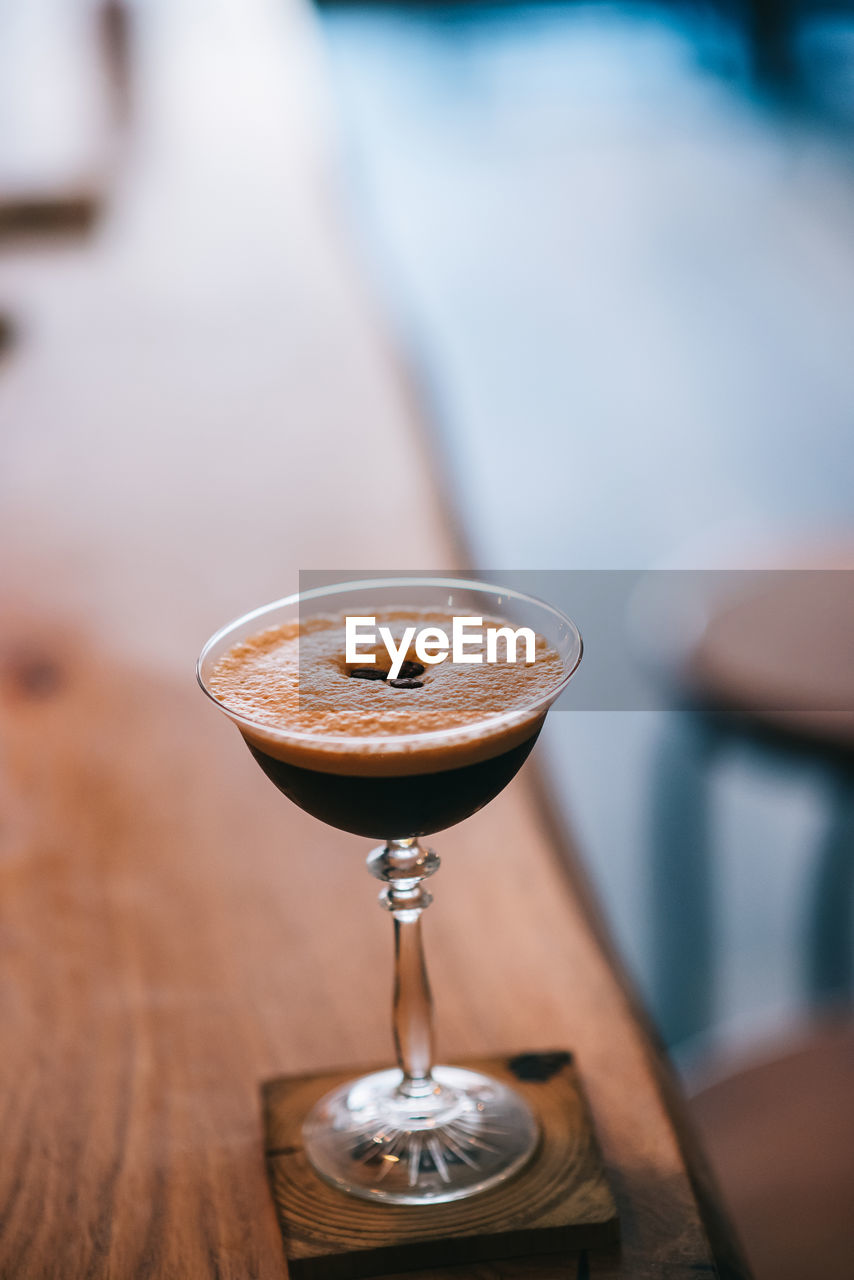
[394,742]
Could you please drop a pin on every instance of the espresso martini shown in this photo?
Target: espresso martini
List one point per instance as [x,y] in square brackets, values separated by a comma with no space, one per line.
[382,734]
[379,748]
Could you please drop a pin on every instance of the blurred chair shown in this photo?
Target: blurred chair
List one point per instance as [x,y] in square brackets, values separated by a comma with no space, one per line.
[780,1136]
[774,670]
[770,37]
[771,30]
[64,90]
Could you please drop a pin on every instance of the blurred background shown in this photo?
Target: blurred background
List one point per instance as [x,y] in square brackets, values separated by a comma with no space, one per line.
[594,264]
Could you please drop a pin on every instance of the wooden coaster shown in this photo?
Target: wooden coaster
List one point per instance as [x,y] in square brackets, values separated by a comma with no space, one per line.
[559,1203]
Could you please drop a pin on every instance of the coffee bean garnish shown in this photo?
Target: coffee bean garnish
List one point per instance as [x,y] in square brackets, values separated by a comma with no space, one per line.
[409,670]
[406,684]
[368,673]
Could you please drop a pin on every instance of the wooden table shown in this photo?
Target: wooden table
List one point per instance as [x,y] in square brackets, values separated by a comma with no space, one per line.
[171,930]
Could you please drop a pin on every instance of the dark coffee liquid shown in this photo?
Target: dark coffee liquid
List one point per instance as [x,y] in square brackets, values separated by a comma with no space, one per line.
[394,808]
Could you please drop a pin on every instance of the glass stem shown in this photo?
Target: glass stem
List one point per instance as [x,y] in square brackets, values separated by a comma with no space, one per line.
[403,865]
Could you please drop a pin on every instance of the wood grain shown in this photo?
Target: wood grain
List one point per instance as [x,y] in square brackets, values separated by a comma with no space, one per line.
[172,932]
[558,1205]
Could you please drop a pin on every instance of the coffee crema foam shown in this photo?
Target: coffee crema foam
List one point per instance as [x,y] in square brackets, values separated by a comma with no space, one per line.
[293,680]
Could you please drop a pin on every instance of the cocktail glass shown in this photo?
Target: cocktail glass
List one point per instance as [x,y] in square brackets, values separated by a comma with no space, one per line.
[418,1133]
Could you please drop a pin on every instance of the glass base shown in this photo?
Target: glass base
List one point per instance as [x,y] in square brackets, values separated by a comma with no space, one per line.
[457,1136]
